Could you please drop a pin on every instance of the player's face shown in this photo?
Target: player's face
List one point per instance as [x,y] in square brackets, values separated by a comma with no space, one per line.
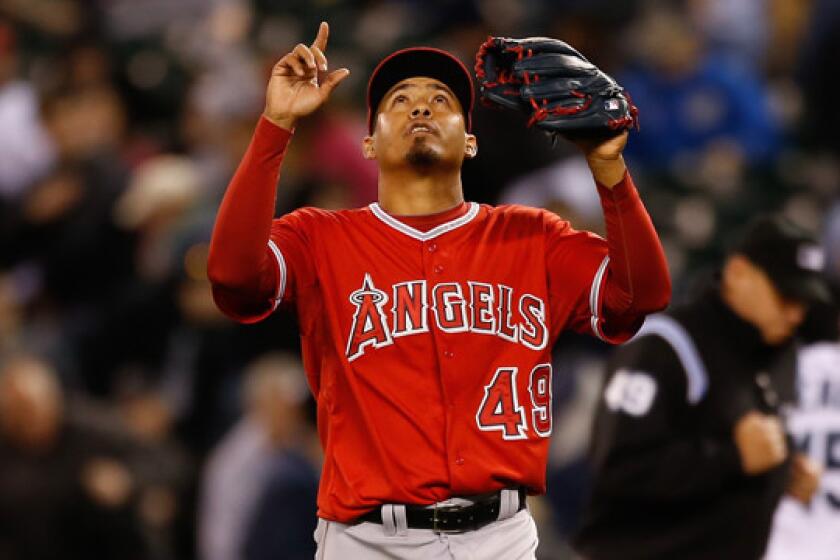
[420,123]
[759,302]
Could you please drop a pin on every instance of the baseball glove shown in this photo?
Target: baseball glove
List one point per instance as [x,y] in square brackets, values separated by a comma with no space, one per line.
[556,86]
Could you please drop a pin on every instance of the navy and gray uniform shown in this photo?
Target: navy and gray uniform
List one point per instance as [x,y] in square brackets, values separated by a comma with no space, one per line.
[668,481]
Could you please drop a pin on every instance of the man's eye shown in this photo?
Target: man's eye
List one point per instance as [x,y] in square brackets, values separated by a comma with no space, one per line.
[400,99]
[440,99]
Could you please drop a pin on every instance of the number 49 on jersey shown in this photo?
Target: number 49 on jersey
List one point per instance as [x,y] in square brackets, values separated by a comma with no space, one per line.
[500,409]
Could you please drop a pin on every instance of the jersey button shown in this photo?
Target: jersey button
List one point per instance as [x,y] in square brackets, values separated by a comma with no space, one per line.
[438,268]
[432,247]
[448,354]
[459,461]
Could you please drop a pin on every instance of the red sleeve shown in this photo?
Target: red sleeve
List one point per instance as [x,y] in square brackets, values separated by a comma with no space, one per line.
[612,284]
[289,243]
[248,264]
[637,282]
[576,262]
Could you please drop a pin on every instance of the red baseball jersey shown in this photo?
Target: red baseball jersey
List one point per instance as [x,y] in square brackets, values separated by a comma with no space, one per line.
[430,352]
[429,349]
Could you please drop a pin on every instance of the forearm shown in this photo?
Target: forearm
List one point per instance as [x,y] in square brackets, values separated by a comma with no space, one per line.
[637,280]
[239,258]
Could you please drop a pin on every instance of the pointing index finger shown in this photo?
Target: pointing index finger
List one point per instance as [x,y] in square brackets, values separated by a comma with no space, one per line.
[323,34]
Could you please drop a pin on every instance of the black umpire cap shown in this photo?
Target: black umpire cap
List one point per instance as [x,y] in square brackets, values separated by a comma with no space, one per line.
[420,61]
[789,255]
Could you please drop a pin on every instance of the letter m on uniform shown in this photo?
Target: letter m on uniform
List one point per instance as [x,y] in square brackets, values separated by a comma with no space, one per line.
[369,327]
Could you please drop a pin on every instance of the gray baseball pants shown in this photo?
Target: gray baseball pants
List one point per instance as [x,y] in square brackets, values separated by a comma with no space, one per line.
[512,537]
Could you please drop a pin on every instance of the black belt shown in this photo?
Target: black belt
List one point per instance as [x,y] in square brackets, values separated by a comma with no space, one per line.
[449,518]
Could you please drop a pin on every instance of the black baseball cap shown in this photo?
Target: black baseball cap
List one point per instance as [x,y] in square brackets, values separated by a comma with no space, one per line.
[420,61]
[789,255]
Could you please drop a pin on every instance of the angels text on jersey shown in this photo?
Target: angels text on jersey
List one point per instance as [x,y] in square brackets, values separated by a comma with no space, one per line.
[414,306]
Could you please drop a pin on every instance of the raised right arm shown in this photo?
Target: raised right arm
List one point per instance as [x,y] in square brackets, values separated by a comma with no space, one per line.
[243,267]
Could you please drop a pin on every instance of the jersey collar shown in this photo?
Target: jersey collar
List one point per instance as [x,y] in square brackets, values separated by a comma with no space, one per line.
[436,231]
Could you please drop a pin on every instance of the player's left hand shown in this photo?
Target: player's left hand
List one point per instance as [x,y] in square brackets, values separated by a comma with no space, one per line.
[804,478]
[604,157]
[603,149]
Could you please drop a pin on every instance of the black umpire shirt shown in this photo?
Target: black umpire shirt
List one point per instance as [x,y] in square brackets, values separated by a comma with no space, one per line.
[668,481]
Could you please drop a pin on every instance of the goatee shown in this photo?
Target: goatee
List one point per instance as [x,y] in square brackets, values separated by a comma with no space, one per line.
[420,155]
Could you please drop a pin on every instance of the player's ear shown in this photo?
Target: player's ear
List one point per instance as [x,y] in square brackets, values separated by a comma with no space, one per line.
[470,146]
[367,148]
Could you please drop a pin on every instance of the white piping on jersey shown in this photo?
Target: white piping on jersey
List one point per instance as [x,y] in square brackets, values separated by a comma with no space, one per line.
[281,268]
[675,334]
[432,233]
[595,295]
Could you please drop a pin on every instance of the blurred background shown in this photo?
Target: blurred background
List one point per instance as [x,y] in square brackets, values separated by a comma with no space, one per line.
[138,423]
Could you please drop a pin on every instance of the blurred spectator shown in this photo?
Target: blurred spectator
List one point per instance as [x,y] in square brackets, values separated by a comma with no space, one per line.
[133,319]
[64,494]
[26,151]
[735,29]
[260,484]
[199,368]
[63,227]
[162,191]
[693,105]
[808,532]
[162,472]
[54,18]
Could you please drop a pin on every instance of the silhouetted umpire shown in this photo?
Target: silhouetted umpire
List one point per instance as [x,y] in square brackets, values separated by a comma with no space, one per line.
[689,448]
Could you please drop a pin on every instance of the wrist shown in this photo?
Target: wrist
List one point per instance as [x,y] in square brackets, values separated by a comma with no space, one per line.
[607,171]
[603,158]
[286,122]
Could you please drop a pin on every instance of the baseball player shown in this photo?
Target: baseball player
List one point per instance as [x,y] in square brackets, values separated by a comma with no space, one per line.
[810,531]
[426,321]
